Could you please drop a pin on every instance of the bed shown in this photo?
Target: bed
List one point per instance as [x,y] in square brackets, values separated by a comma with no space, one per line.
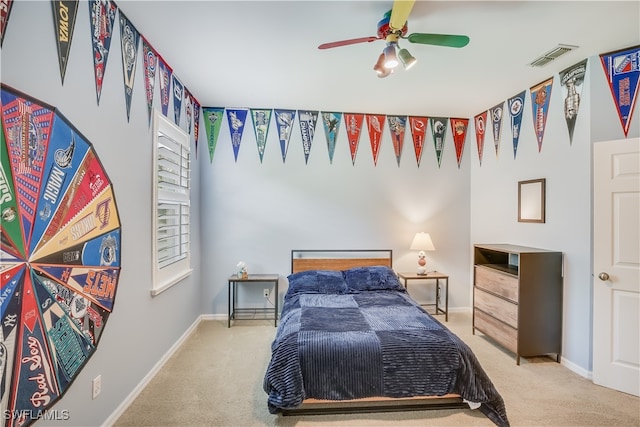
[351,339]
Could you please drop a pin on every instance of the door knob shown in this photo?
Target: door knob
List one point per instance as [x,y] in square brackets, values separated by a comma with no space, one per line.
[603,276]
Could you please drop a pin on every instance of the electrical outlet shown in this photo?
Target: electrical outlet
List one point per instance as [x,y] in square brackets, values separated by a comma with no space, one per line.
[265,292]
[96,386]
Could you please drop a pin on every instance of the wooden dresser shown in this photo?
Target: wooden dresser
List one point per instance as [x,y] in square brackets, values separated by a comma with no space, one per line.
[517,298]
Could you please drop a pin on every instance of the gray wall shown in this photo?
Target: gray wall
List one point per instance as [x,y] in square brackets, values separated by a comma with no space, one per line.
[141,328]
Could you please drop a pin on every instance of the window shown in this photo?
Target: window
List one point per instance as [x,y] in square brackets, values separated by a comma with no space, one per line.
[171,204]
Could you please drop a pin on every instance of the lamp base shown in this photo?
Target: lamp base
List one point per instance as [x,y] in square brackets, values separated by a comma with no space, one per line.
[421,271]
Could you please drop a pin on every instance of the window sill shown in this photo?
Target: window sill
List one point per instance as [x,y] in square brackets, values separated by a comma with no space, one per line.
[157,291]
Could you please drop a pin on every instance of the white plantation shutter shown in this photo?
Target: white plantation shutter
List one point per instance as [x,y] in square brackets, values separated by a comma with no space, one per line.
[172,214]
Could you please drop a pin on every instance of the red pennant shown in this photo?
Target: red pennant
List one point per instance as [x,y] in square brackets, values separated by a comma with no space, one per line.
[459,127]
[375,126]
[354,127]
[418,130]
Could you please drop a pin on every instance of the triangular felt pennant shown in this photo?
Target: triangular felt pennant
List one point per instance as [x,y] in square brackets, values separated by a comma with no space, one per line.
[165,84]
[130,39]
[150,64]
[236,118]
[261,121]
[480,122]
[571,82]
[11,236]
[397,126]
[196,121]
[102,16]
[284,122]
[353,123]
[496,124]
[188,108]
[375,126]
[212,123]
[439,131]
[459,129]
[64,22]
[178,93]
[5,11]
[307,121]
[418,130]
[516,108]
[622,69]
[27,126]
[540,96]
[331,122]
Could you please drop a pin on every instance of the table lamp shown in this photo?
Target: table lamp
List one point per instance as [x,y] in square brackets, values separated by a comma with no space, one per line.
[422,242]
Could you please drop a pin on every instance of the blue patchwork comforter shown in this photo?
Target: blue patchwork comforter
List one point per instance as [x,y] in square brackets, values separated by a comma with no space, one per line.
[366,343]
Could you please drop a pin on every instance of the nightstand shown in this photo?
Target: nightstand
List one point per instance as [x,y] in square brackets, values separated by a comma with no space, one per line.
[251,279]
[432,275]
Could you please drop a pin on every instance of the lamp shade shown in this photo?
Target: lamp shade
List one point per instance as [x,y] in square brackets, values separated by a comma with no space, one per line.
[422,242]
[406,58]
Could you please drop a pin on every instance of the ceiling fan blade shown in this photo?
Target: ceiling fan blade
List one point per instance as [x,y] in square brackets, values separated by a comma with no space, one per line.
[400,13]
[348,42]
[448,40]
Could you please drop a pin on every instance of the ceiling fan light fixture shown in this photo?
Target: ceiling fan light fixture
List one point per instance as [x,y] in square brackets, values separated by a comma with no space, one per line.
[385,73]
[390,58]
[379,67]
[406,58]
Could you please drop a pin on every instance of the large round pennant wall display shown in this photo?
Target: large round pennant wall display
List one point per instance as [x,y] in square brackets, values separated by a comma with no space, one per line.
[60,254]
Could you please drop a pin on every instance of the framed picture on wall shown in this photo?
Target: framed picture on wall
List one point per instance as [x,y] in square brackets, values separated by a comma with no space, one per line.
[531,200]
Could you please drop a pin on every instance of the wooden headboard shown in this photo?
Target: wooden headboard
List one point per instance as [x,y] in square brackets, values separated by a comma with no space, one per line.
[303,260]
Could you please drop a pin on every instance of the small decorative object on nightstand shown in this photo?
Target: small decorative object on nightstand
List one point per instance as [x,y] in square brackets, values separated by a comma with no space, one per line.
[422,242]
[242,270]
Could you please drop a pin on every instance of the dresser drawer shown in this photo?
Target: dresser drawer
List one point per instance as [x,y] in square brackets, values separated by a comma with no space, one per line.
[497,307]
[497,282]
[502,333]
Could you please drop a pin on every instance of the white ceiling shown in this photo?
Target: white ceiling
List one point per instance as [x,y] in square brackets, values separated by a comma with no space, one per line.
[263,54]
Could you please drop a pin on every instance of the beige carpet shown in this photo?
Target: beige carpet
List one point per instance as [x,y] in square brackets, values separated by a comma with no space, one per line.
[215,379]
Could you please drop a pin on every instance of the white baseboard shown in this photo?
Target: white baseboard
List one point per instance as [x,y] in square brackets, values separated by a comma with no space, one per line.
[577,369]
[156,368]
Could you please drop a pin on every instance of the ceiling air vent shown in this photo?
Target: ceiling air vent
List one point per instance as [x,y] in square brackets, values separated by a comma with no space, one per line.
[547,57]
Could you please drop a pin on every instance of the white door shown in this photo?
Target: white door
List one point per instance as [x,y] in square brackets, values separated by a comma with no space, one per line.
[616,263]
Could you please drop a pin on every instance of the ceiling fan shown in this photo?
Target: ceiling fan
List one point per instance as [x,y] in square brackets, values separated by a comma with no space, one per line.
[392,28]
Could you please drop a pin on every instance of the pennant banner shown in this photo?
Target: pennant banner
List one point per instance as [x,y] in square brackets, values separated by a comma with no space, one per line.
[165,84]
[196,121]
[418,130]
[102,16]
[571,82]
[236,118]
[64,22]
[397,125]
[480,122]
[375,126]
[307,121]
[27,126]
[212,124]
[150,64]
[516,108]
[261,120]
[439,131]
[622,69]
[540,96]
[129,37]
[459,128]
[353,123]
[178,94]
[188,109]
[496,124]
[5,11]
[331,122]
[284,122]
